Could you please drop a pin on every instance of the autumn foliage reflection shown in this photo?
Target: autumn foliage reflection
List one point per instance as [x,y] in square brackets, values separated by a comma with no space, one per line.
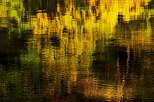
[67,41]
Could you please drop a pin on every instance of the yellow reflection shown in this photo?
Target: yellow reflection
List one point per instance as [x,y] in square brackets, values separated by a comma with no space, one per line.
[10,12]
[101,18]
[77,30]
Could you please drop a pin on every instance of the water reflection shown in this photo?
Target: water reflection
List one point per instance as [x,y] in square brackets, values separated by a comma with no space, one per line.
[95,50]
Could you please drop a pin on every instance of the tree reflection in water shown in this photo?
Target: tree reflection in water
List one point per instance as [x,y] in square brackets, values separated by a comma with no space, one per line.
[97,50]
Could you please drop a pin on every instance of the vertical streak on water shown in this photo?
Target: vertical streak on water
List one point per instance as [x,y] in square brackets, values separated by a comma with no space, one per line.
[76,50]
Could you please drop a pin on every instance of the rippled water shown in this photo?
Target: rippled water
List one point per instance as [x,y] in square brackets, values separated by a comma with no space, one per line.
[76,50]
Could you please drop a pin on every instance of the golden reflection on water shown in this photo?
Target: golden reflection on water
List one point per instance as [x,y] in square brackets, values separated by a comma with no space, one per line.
[100,16]
[78,30]
[65,44]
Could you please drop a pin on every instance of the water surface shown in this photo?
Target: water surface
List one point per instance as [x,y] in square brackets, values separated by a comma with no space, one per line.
[76,50]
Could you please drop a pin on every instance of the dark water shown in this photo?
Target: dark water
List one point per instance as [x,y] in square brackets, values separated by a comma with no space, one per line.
[76,51]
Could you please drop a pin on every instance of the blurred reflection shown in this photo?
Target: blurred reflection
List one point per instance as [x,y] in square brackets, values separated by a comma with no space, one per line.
[56,50]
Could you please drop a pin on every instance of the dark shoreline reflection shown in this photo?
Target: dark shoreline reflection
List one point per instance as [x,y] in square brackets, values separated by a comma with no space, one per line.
[76,51]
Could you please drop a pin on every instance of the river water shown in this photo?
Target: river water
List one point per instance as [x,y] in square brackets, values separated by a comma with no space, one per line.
[76,51]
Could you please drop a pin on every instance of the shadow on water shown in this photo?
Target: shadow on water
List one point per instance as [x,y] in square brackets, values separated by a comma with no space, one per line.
[55,41]
[11,46]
